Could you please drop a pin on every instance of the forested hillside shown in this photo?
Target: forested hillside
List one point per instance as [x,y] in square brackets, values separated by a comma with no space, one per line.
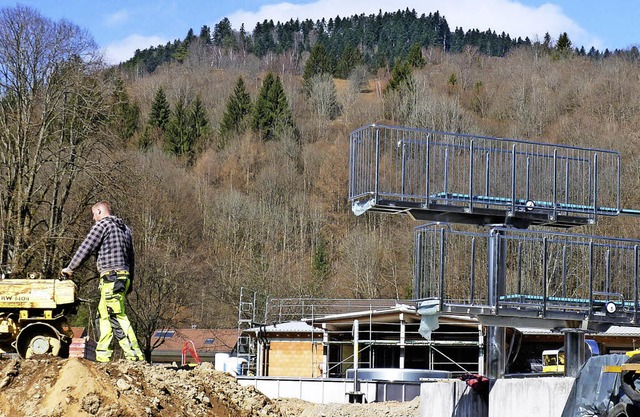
[232,167]
[377,40]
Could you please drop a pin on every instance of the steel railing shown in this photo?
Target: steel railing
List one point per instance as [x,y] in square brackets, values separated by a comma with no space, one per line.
[552,274]
[392,166]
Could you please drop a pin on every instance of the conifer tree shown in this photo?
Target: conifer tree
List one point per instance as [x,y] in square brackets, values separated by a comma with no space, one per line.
[178,134]
[205,34]
[319,62]
[198,119]
[564,43]
[271,112]
[563,47]
[238,107]
[321,262]
[126,115]
[415,58]
[401,77]
[223,34]
[351,57]
[160,111]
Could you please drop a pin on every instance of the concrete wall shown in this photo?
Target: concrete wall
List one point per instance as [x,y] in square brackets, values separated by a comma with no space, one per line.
[316,390]
[522,397]
[451,398]
[534,397]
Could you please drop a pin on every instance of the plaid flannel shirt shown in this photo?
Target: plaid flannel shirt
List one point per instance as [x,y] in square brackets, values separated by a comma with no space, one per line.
[111,239]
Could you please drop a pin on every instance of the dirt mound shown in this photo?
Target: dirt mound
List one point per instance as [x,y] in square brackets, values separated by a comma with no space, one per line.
[77,387]
[55,387]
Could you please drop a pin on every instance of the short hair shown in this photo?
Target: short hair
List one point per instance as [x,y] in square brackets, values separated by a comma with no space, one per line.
[103,205]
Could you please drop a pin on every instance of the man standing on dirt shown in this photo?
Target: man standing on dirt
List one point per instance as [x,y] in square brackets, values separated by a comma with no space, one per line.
[111,238]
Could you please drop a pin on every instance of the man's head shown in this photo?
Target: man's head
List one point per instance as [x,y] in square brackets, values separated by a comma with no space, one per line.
[101,210]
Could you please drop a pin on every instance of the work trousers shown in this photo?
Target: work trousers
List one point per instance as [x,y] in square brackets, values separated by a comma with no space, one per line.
[113,320]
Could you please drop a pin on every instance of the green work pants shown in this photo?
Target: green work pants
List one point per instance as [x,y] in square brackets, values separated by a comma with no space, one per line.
[113,320]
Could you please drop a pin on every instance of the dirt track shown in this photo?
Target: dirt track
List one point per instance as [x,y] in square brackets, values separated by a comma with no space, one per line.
[51,387]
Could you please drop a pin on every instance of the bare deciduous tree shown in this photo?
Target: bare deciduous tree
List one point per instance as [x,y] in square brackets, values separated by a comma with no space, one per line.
[52,111]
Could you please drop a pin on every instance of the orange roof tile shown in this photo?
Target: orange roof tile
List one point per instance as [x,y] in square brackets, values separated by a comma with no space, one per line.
[205,340]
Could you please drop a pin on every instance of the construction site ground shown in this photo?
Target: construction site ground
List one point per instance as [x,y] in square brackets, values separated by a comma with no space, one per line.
[55,387]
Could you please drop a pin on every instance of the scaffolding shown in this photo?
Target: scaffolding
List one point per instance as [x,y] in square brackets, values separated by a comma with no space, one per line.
[388,335]
[249,310]
[385,343]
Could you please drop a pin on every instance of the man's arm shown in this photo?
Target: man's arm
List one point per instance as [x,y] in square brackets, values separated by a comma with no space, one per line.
[90,244]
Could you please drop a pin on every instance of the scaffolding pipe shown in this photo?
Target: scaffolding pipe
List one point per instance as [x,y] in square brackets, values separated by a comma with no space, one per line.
[356,353]
[496,336]
[402,340]
[325,351]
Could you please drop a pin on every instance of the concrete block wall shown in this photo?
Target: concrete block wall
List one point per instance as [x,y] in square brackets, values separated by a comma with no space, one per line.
[292,358]
[529,397]
[522,397]
[450,398]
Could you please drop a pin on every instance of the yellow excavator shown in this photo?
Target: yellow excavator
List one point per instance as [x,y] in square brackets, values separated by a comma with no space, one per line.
[33,316]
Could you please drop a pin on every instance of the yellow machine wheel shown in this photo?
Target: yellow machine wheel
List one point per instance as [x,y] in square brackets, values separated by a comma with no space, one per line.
[40,339]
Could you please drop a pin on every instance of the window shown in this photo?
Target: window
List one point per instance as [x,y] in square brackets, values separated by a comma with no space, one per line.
[164,334]
[209,341]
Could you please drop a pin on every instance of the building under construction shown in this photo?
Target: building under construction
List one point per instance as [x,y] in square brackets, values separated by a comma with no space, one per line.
[489,296]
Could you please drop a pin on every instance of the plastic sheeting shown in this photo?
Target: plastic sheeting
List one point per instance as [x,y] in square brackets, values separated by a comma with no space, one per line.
[594,392]
[428,309]
[360,207]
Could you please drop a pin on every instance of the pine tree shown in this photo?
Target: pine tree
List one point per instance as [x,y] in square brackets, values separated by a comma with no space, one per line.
[271,112]
[321,263]
[198,119]
[223,34]
[351,57]
[319,62]
[178,135]
[205,34]
[126,115]
[160,111]
[190,37]
[401,77]
[238,106]
[415,58]
[563,47]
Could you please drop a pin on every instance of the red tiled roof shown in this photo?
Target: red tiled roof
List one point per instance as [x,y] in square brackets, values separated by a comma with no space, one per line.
[221,340]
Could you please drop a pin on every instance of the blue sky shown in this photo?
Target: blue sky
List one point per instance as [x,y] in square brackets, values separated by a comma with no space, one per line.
[122,26]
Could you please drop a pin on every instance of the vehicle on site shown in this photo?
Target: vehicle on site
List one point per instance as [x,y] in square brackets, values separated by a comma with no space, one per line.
[33,315]
[553,360]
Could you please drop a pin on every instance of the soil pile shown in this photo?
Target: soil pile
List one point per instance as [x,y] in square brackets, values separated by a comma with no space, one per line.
[54,387]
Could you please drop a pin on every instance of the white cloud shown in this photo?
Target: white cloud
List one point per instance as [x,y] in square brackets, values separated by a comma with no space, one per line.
[507,16]
[117,18]
[123,50]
